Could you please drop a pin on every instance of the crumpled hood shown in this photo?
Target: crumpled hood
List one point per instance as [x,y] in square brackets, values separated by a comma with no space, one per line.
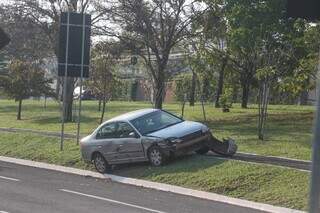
[178,130]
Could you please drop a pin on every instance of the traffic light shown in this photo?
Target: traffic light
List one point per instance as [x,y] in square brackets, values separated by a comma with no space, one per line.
[307,9]
[4,39]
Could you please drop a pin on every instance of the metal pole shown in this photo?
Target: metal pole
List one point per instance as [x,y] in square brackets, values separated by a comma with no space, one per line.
[81,76]
[314,200]
[65,85]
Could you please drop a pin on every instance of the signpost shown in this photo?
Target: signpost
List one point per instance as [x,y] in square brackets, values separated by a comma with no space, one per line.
[310,10]
[74,56]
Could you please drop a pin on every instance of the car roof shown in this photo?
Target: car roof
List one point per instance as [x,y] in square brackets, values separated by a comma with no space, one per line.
[132,115]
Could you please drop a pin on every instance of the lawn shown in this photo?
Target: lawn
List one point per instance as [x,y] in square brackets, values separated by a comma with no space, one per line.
[261,183]
[288,131]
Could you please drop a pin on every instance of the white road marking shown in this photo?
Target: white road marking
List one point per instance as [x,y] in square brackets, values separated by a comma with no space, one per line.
[3,212]
[111,201]
[8,178]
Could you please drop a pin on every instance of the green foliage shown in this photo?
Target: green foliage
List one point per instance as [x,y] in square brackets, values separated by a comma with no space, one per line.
[183,87]
[226,98]
[25,80]
[103,80]
[28,40]
[265,72]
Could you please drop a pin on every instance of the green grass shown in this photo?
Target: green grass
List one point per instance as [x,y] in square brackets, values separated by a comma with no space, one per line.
[260,183]
[288,131]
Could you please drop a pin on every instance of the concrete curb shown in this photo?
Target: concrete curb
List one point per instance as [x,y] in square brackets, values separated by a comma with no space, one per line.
[276,157]
[38,132]
[153,185]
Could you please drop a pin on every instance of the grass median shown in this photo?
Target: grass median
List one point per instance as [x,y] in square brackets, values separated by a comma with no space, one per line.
[260,183]
[288,130]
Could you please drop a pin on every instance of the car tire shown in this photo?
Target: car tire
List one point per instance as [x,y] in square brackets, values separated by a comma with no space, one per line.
[156,156]
[204,150]
[100,163]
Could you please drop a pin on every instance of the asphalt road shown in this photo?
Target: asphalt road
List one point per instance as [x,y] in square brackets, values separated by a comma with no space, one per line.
[25,189]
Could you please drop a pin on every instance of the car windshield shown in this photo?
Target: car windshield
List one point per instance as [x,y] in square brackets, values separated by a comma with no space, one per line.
[154,121]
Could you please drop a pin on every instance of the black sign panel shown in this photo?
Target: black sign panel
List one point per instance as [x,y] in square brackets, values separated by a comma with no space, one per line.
[307,9]
[4,39]
[70,47]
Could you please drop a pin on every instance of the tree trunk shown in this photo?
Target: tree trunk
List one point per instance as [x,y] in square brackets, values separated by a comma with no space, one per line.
[69,100]
[304,97]
[103,110]
[193,88]
[99,107]
[235,94]
[245,94]
[203,109]
[182,109]
[205,89]
[45,102]
[220,82]
[19,110]
[263,101]
[159,93]
[58,95]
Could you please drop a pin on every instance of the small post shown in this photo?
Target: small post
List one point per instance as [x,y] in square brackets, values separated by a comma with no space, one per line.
[183,105]
[81,77]
[203,110]
[65,85]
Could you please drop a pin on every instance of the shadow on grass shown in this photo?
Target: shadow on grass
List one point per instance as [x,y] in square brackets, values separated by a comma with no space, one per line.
[182,164]
[57,120]
[287,127]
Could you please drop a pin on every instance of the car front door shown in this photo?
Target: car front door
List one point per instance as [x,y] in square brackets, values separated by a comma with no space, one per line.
[130,146]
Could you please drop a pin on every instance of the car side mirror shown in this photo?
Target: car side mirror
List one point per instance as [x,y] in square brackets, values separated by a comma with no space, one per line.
[98,136]
[133,135]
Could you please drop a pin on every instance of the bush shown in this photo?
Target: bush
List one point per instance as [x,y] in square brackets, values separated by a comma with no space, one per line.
[226,99]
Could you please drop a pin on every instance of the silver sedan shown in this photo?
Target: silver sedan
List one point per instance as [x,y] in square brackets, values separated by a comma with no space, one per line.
[144,135]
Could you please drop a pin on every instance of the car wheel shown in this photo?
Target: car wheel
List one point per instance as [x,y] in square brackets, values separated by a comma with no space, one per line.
[156,156]
[204,150]
[100,163]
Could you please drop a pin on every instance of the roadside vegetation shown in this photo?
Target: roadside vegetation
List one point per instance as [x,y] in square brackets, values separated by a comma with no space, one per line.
[288,132]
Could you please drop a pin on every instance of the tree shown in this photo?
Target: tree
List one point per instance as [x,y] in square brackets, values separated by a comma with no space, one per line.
[102,81]
[46,15]
[248,20]
[28,42]
[151,29]
[306,42]
[183,89]
[212,45]
[25,80]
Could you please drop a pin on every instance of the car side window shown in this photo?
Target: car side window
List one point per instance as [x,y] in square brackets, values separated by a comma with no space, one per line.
[108,131]
[124,130]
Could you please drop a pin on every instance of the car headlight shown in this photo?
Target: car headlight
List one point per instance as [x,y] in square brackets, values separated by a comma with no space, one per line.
[205,129]
[174,140]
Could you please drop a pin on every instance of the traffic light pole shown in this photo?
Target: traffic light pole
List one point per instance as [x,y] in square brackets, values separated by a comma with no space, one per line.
[314,205]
